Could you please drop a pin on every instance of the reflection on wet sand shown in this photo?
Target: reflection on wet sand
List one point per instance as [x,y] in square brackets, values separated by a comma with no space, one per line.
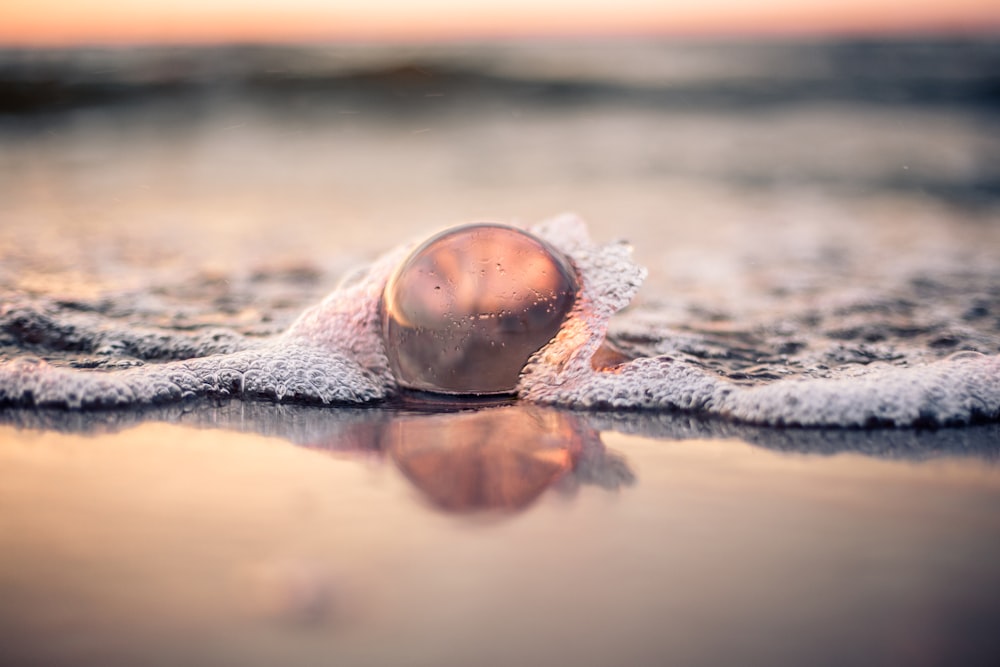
[166,544]
[500,458]
[494,457]
[356,429]
[484,460]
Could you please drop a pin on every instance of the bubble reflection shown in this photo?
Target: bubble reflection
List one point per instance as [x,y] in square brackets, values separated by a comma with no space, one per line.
[492,459]
[498,459]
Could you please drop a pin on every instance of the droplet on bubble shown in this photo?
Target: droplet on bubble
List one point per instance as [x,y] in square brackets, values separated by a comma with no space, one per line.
[464,311]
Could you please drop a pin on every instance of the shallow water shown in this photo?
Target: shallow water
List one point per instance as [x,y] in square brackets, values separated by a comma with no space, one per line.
[164,542]
[804,210]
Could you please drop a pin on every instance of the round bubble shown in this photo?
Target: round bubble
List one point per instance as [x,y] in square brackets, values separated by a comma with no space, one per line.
[465,310]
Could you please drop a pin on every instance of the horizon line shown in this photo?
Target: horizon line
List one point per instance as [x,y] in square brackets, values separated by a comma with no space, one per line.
[962,31]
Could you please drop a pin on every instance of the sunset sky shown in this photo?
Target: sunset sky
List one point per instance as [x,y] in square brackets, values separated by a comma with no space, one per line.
[116,21]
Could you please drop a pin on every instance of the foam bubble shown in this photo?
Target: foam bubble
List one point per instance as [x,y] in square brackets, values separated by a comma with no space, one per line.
[463,313]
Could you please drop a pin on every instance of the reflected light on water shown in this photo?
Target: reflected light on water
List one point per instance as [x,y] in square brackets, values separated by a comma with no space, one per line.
[496,459]
[499,459]
[168,545]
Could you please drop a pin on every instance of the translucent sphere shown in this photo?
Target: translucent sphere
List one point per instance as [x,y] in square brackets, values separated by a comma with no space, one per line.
[464,312]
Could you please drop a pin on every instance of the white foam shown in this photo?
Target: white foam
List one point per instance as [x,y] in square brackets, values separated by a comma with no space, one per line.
[334,354]
[959,390]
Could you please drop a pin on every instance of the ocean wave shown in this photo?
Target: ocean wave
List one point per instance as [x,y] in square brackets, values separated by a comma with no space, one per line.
[649,73]
[334,354]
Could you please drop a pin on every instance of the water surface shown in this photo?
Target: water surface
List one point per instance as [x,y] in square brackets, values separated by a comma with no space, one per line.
[163,543]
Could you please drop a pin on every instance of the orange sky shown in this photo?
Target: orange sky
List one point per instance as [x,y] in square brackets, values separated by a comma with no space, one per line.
[82,21]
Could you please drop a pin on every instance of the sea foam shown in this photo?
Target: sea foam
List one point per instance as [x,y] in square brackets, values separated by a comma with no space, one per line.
[334,354]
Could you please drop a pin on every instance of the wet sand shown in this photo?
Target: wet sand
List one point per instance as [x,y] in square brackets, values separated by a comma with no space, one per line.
[162,544]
